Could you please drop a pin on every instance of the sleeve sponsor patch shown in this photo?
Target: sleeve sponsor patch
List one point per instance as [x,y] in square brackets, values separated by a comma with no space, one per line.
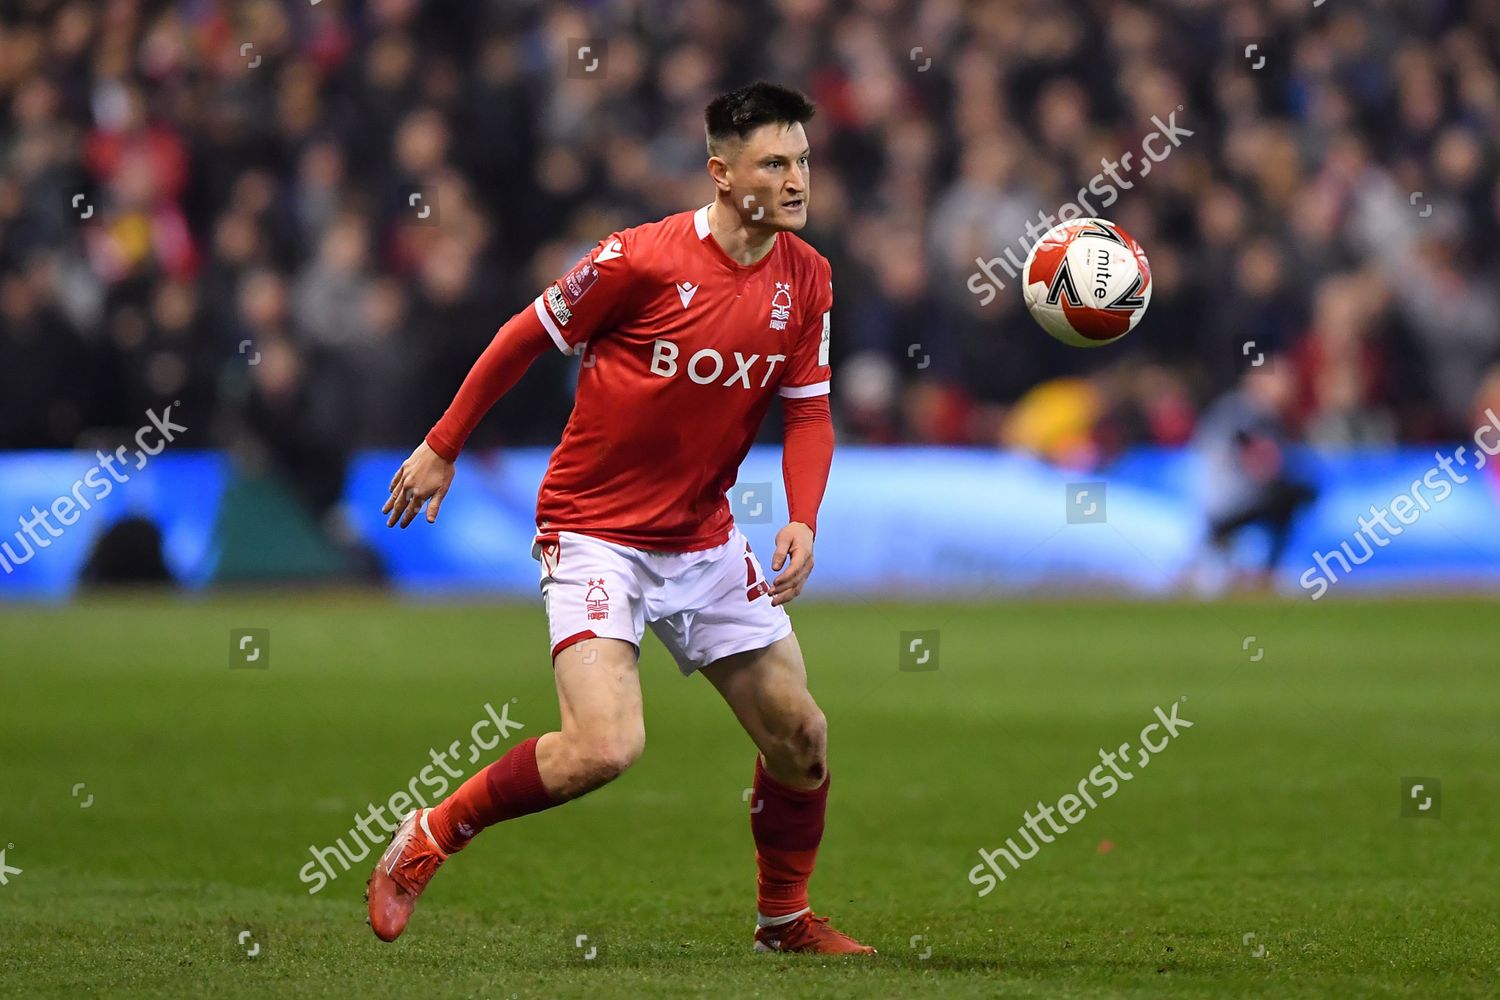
[827,334]
[578,281]
[559,307]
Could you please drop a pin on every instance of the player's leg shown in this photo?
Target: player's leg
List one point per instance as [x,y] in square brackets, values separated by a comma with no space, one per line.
[602,734]
[594,652]
[767,691]
[603,725]
[713,612]
[1288,496]
[599,696]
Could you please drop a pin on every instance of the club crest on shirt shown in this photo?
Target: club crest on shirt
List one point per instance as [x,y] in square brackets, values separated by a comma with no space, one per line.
[781,305]
[596,600]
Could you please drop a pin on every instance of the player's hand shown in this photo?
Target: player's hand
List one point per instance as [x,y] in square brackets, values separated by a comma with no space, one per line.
[424,478]
[794,550]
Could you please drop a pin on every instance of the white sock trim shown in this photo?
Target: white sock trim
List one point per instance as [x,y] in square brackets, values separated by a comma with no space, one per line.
[761,920]
[422,818]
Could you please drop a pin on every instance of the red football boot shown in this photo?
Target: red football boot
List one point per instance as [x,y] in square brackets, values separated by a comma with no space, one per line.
[810,934]
[401,874]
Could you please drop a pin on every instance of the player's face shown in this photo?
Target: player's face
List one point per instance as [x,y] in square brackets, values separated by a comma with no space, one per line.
[770,177]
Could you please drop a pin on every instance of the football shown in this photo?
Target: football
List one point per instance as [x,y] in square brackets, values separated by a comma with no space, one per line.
[1087,282]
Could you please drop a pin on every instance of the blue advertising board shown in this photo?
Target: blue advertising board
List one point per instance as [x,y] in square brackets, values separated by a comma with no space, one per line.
[900,520]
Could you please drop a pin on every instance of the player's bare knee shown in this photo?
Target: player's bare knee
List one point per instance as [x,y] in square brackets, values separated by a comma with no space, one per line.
[812,743]
[602,759]
[803,747]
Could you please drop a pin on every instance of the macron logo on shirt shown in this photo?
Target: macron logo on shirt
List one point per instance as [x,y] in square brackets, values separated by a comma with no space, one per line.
[685,291]
[609,251]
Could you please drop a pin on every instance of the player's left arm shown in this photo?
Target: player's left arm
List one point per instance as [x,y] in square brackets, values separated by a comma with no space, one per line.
[807,449]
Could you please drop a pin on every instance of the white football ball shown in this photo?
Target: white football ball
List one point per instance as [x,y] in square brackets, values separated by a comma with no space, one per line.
[1087,282]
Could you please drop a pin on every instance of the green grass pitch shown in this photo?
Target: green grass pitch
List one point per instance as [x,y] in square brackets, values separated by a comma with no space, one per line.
[1263,853]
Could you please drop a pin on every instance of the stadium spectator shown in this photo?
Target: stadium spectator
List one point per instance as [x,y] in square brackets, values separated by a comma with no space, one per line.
[242,168]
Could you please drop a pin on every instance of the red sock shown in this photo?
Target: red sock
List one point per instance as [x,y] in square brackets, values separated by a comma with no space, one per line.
[787,824]
[510,787]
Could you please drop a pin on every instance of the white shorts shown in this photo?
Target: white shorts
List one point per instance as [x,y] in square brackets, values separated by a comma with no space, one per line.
[702,605]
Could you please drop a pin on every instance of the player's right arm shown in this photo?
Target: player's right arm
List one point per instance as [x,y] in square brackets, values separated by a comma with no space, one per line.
[557,318]
[425,477]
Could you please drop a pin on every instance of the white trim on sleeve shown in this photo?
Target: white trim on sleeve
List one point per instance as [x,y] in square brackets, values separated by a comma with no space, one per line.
[804,391]
[552,330]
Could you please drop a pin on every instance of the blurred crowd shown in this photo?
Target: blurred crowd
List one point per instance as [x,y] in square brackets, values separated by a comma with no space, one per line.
[212,204]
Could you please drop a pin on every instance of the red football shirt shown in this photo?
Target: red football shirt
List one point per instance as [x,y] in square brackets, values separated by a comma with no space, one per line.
[682,350]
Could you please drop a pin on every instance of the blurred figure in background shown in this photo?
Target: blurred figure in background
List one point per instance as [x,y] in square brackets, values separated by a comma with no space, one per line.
[1243,441]
[1343,366]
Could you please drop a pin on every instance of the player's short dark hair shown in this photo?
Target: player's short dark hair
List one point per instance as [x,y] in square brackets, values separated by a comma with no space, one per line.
[738,113]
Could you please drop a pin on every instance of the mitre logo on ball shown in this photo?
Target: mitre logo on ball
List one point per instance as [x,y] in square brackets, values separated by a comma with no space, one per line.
[1087,282]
